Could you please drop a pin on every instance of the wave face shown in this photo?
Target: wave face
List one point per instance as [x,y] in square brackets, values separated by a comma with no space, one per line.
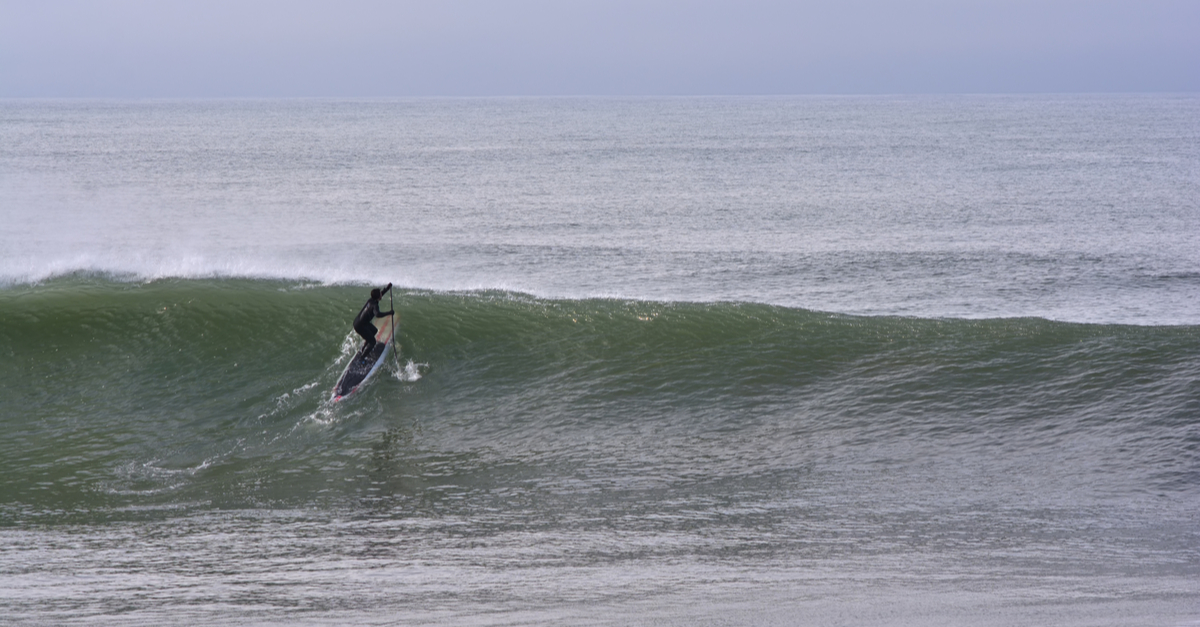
[123,399]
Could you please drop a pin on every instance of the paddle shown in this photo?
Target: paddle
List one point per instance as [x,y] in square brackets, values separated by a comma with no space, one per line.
[392,305]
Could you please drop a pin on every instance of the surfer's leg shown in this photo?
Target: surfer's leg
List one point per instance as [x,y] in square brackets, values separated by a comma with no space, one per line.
[367,331]
[365,352]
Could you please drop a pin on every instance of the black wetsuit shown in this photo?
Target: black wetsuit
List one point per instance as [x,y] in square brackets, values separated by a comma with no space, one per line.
[363,326]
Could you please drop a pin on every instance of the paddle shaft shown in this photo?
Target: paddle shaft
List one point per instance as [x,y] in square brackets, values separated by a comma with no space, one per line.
[395,351]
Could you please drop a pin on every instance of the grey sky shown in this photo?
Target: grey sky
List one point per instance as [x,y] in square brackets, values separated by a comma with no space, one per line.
[265,48]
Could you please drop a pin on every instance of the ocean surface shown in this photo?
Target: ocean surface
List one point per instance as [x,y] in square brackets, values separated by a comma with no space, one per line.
[663,362]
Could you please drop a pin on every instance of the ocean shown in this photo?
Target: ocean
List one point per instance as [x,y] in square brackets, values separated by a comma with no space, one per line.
[662,361]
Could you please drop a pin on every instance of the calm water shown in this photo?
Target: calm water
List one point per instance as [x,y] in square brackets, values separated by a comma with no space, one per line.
[782,361]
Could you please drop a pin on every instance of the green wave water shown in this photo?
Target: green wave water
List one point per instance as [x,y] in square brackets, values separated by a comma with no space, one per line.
[154,399]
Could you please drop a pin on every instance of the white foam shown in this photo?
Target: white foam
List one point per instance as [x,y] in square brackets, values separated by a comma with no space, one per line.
[411,372]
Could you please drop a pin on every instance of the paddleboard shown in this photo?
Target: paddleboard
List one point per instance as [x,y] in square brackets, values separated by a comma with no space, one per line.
[362,367]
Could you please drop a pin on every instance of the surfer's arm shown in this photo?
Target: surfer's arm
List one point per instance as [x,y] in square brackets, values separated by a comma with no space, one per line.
[379,313]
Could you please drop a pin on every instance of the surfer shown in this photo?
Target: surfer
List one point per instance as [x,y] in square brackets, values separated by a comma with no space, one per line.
[370,311]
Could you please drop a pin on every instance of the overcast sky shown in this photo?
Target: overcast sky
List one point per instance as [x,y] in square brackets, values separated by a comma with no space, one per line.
[379,48]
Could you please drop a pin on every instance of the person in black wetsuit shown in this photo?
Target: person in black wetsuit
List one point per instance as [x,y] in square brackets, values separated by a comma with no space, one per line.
[362,322]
